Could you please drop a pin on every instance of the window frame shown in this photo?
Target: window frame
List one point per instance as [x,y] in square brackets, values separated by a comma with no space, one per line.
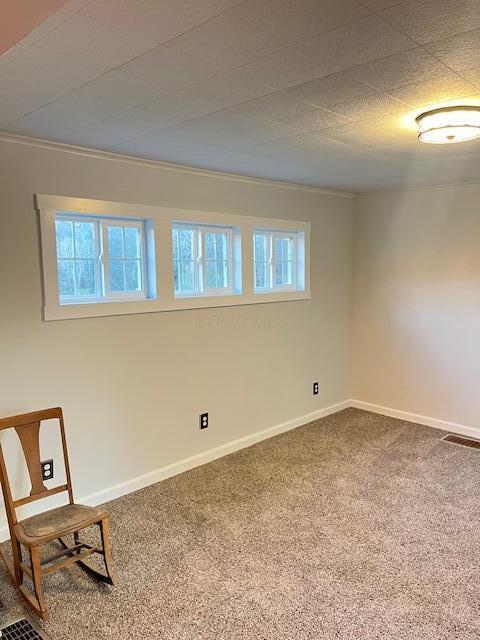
[98,268]
[158,237]
[125,295]
[102,259]
[272,234]
[200,260]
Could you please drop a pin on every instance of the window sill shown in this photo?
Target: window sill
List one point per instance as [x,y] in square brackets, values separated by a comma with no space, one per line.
[99,309]
[209,294]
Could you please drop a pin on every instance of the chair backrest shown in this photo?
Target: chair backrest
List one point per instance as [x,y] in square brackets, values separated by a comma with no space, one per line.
[27,427]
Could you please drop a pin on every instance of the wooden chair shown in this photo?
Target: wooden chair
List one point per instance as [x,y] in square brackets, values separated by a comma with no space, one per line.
[53,525]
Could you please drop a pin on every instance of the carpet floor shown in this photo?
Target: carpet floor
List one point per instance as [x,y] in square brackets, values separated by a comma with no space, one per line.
[355,527]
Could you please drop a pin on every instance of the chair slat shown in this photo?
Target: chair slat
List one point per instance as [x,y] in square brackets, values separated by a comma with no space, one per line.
[37,496]
[29,435]
[68,561]
[64,552]
[34,416]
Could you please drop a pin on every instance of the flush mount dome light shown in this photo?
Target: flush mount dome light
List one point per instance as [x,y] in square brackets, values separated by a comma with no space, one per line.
[449,125]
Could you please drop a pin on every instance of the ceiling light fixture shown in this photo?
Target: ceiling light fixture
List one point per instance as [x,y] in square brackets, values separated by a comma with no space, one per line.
[449,125]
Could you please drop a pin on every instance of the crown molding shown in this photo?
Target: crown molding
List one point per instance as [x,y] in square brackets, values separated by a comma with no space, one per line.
[434,187]
[168,166]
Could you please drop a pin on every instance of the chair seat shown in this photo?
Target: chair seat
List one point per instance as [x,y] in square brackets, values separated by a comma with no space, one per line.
[56,522]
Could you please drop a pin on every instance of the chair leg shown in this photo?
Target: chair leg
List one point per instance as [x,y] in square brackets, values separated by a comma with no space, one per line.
[37,581]
[13,564]
[104,552]
[107,555]
[17,560]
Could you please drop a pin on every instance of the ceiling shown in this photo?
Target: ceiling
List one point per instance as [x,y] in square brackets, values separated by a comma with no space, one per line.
[318,92]
[19,18]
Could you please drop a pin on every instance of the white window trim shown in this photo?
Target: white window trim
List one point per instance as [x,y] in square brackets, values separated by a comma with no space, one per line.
[160,271]
[201,262]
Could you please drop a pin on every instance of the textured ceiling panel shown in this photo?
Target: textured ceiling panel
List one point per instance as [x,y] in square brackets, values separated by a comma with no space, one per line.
[157,22]
[460,52]
[473,76]
[449,87]
[373,107]
[143,120]
[400,69]
[331,90]
[84,37]
[51,69]
[379,5]
[289,110]
[280,22]
[170,69]
[323,93]
[430,20]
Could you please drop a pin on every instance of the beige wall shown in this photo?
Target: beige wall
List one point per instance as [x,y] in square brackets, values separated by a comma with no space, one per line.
[416,330]
[132,386]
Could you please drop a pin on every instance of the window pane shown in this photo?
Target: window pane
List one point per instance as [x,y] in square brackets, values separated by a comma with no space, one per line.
[115,242]
[210,252]
[183,273]
[210,275]
[287,248]
[66,278]
[85,278]
[132,242]
[133,275]
[222,246]
[175,275]
[64,234]
[222,274]
[278,248]
[283,248]
[84,239]
[117,275]
[288,272]
[183,247]
[216,274]
[283,273]
[261,280]
[260,246]
[278,273]
[216,243]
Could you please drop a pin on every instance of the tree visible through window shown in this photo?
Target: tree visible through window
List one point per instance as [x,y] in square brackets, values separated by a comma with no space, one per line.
[77,254]
[99,258]
[274,255]
[202,260]
[216,259]
[125,258]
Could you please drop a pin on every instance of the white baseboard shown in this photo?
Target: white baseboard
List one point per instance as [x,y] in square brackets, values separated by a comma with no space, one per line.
[437,423]
[147,479]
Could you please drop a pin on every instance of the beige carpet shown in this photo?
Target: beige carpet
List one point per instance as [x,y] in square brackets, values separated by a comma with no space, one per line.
[354,527]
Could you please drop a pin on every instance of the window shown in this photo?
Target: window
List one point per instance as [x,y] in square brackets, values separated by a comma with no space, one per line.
[202,260]
[103,258]
[100,259]
[275,260]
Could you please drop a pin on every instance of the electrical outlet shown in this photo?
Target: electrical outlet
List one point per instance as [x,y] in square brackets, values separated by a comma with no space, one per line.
[47,469]
[203,420]
[315,388]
